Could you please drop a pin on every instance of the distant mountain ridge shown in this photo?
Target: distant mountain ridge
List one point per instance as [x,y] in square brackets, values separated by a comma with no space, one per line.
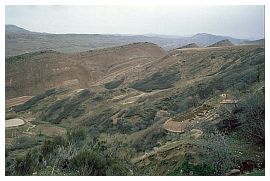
[19,41]
[205,39]
[255,42]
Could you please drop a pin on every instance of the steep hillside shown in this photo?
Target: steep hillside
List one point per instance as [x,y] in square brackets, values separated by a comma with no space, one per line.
[222,43]
[189,112]
[33,73]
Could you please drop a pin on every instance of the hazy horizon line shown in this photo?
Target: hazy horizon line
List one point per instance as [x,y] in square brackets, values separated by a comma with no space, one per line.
[145,34]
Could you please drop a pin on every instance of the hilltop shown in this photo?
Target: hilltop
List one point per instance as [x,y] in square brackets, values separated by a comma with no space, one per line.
[191,45]
[222,43]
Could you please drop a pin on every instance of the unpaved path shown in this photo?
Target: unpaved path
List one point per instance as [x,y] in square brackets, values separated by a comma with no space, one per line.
[13,122]
[143,94]
[17,101]
[168,146]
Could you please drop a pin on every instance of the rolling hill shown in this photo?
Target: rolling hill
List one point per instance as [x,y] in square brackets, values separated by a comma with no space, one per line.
[255,42]
[33,73]
[191,45]
[222,43]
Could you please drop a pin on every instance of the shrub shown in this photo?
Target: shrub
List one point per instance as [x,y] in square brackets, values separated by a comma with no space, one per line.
[89,163]
[254,119]
[24,142]
[150,140]
[76,134]
[114,84]
[49,146]
[185,168]
[24,166]
[117,169]
[101,121]
[213,150]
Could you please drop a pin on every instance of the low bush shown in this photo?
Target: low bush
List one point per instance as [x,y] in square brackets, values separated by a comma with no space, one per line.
[24,142]
[25,165]
[214,151]
[114,84]
[202,169]
[253,118]
[76,134]
[49,145]
[89,163]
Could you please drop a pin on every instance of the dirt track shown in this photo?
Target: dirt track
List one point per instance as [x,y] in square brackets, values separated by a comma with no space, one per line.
[17,101]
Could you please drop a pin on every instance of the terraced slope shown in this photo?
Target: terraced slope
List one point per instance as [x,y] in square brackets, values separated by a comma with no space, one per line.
[33,73]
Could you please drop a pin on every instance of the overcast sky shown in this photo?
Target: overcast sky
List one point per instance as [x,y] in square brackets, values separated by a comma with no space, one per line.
[235,21]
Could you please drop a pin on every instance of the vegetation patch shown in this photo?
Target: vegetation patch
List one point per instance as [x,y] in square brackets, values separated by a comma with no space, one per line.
[64,108]
[159,80]
[114,84]
[33,101]
[24,142]
[58,156]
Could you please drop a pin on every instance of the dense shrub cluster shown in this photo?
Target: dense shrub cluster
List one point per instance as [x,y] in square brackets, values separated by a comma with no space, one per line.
[64,108]
[213,151]
[24,142]
[253,118]
[76,134]
[159,80]
[146,117]
[30,103]
[185,168]
[114,84]
[150,140]
[101,121]
[69,156]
